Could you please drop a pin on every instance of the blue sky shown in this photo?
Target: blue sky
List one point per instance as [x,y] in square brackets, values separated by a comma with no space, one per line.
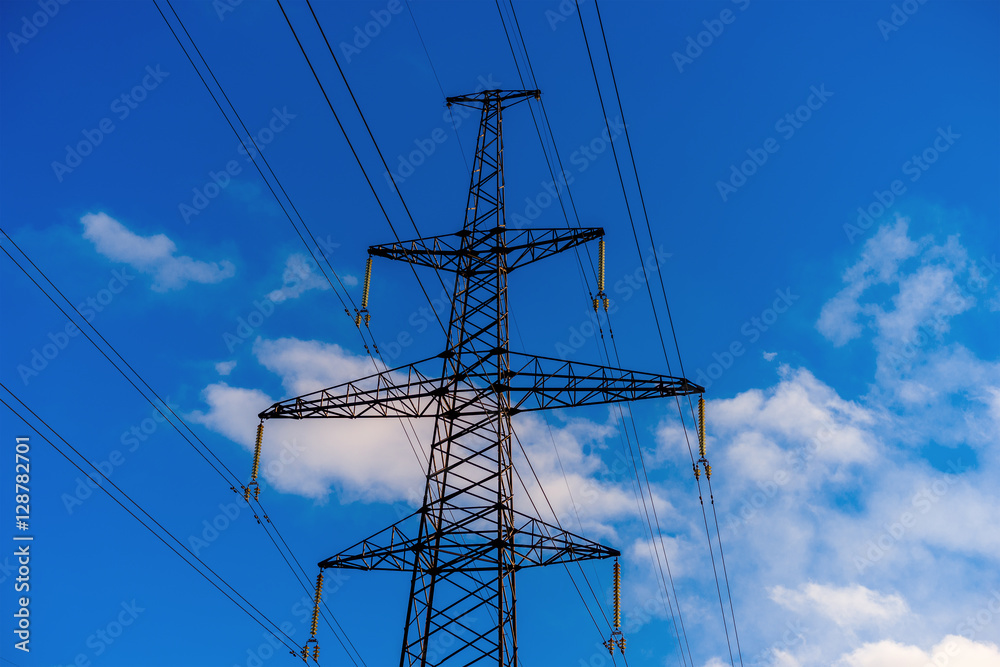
[821,185]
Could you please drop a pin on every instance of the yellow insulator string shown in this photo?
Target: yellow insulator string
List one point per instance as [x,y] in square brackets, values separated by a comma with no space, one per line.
[256,465]
[600,266]
[256,452]
[616,638]
[363,314]
[702,447]
[368,283]
[600,296]
[701,426]
[319,594]
[618,595]
[315,622]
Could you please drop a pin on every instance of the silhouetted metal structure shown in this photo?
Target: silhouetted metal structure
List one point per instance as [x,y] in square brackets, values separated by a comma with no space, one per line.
[467,542]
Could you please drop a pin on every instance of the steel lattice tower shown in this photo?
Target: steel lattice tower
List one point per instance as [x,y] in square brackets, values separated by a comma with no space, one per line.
[467,542]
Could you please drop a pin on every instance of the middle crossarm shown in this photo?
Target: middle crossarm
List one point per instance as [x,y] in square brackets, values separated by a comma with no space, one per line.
[534,383]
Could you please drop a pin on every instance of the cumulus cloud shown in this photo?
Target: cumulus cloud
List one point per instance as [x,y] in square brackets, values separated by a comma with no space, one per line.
[365,459]
[153,255]
[850,466]
[376,460]
[953,650]
[799,414]
[848,606]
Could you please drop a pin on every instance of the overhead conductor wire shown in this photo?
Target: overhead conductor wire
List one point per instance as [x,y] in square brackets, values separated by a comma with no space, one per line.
[260,615]
[663,289]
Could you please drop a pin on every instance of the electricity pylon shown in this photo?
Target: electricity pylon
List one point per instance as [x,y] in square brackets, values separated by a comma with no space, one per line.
[467,542]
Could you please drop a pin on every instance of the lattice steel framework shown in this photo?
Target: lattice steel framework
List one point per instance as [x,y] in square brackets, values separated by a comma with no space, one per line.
[469,541]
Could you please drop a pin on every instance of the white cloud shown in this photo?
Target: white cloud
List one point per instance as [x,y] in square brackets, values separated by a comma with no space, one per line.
[953,651]
[799,411]
[926,298]
[371,460]
[225,367]
[299,277]
[769,356]
[154,255]
[851,464]
[879,263]
[850,607]
[364,459]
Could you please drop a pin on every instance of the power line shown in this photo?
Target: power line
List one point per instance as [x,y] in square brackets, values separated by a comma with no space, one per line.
[149,516]
[666,302]
[357,158]
[82,325]
[569,191]
[436,78]
[663,289]
[280,202]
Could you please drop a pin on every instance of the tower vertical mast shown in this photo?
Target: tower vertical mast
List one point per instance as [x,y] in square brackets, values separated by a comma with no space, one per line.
[470,540]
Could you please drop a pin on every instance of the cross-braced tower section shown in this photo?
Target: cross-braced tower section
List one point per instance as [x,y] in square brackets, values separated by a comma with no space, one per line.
[466,542]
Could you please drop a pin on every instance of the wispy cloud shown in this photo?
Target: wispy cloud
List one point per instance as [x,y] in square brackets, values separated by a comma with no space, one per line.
[153,255]
[299,277]
[879,264]
[225,367]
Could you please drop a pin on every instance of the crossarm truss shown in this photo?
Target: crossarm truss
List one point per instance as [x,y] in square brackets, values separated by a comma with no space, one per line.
[463,548]
[522,247]
[534,383]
